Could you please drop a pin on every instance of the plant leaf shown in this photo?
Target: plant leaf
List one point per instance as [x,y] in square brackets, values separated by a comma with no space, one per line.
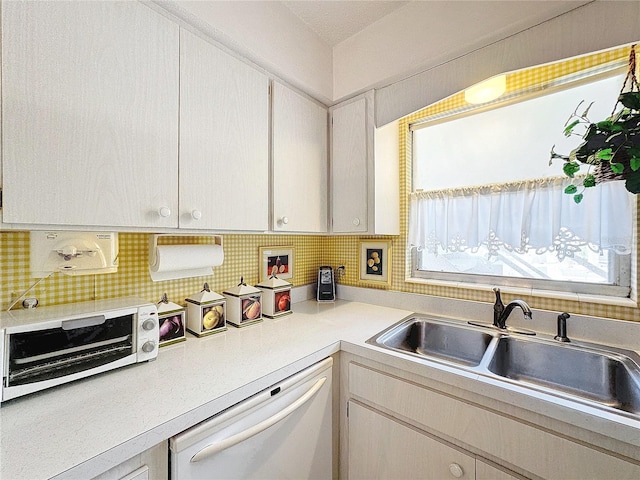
[589,181]
[570,169]
[617,167]
[569,128]
[634,162]
[630,100]
[633,151]
[578,197]
[604,154]
[605,125]
[570,189]
[633,182]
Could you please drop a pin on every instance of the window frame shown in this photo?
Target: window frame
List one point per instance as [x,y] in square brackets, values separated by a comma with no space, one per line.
[622,265]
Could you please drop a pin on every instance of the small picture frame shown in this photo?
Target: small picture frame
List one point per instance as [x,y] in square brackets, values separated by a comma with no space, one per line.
[172,328]
[375,261]
[278,260]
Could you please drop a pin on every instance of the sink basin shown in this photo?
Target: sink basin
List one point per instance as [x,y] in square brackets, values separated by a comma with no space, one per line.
[599,376]
[436,339]
[609,379]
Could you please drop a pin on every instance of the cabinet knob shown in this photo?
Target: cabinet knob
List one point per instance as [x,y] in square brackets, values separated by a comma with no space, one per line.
[356,222]
[284,220]
[456,470]
[196,214]
[164,212]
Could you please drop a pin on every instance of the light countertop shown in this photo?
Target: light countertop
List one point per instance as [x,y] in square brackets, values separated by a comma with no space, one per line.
[81,429]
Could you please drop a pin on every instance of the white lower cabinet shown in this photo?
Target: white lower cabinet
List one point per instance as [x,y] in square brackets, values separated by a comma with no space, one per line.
[152,464]
[381,447]
[399,428]
[484,471]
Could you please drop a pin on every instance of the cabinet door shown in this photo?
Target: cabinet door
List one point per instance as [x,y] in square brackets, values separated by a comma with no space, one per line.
[484,471]
[349,167]
[380,447]
[299,180]
[89,114]
[514,442]
[224,140]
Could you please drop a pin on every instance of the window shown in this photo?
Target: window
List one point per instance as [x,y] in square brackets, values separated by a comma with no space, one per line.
[487,207]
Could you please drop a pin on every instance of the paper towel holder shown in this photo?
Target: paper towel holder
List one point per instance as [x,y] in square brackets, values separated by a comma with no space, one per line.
[153,242]
[216,240]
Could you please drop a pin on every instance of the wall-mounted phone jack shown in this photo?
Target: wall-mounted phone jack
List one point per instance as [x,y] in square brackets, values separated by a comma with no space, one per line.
[341,271]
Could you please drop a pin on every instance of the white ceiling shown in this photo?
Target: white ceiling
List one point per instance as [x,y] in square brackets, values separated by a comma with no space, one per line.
[337,20]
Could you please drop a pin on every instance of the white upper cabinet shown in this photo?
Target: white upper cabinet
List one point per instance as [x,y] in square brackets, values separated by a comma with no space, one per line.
[224,140]
[350,151]
[299,177]
[89,114]
[365,180]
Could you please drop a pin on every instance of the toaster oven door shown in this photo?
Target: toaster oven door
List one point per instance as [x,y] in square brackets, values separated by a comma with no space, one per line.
[75,346]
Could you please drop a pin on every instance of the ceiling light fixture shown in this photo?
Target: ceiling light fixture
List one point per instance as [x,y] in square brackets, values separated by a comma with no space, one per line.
[486,91]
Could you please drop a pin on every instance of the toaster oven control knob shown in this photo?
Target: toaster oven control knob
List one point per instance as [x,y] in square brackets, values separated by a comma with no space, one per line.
[196,214]
[148,325]
[148,347]
[164,212]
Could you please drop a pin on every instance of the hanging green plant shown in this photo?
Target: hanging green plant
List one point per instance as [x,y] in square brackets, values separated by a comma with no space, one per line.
[611,147]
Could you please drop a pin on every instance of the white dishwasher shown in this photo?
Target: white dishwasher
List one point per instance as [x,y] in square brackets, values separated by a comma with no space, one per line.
[283,432]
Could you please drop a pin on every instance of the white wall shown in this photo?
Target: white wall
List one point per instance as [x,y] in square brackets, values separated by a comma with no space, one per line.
[268,34]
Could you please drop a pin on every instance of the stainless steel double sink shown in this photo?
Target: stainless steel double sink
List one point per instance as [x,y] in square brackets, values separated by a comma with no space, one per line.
[599,376]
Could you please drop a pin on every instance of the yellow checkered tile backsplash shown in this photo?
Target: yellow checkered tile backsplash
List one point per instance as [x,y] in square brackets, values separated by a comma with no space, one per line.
[132,278]
[242,250]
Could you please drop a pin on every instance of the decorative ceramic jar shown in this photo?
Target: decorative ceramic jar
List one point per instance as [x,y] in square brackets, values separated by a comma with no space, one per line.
[276,297]
[244,304]
[171,322]
[206,312]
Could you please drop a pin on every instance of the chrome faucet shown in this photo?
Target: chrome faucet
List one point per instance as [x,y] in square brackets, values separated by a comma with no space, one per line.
[502,312]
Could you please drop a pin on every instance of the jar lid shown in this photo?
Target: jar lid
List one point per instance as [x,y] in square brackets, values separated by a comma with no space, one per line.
[165,306]
[273,282]
[204,296]
[241,289]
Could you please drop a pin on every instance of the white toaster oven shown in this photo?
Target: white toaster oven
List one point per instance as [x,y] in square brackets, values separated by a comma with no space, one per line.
[49,346]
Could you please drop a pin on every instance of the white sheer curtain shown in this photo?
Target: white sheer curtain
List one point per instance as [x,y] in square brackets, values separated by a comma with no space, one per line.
[521,216]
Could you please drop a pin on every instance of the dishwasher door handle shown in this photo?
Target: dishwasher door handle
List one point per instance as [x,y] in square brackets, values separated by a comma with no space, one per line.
[259,427]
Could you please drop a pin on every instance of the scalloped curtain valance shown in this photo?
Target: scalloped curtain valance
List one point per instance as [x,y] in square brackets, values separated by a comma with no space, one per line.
[522,216]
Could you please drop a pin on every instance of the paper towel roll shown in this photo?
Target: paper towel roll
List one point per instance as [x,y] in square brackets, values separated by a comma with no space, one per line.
[183,261]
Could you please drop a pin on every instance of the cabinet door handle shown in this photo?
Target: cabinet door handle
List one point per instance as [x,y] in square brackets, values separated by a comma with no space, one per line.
[196,214]
[284,220]
[456,470]
[259,427]
[164,212]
